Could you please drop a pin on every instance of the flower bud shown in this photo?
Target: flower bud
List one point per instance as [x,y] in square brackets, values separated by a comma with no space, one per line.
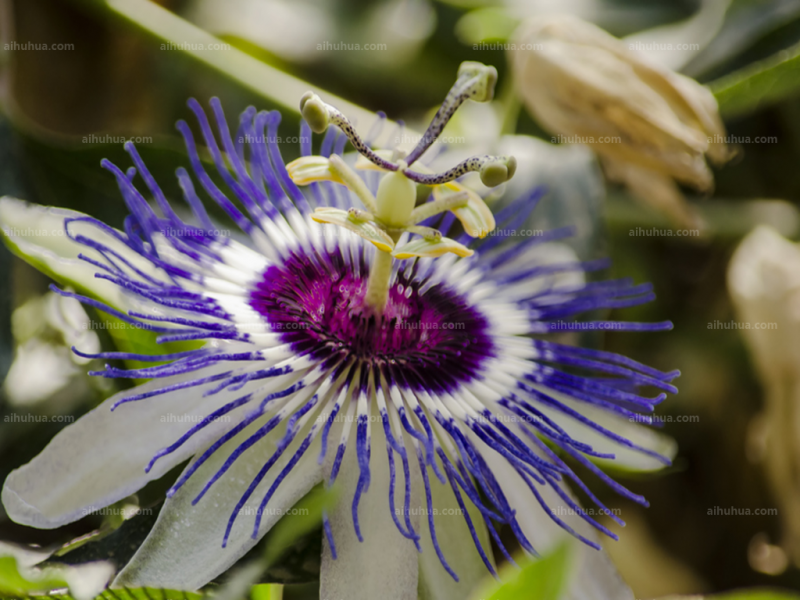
[581,83]
[764,284]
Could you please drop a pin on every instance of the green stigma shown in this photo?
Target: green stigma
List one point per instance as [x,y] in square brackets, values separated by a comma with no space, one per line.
[393,211]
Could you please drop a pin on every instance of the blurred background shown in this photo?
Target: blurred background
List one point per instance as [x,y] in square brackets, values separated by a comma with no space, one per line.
[78,77]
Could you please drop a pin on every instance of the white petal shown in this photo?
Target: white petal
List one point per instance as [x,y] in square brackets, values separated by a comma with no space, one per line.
[36,233]
[536,255]
[625,458]
[24,384]
[596,577]
[101,458]
[88,580]
[26,556]
[85,581]
[457,546]
[384,565]
[184,550]
[593,574]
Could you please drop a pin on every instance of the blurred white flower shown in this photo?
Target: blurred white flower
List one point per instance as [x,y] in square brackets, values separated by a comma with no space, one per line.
[650,126]
[289,29]
[84,581]
[43,346]
[764,283]
[306,31]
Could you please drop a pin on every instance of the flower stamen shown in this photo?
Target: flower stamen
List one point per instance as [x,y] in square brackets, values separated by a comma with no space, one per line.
[440,205]
[319,115]
[494,171]
[475,81]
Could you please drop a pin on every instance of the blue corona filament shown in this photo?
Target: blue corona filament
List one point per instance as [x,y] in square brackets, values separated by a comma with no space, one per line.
[290,347]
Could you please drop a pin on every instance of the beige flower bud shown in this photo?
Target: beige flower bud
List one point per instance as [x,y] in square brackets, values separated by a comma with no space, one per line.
[764,284]
[651,126]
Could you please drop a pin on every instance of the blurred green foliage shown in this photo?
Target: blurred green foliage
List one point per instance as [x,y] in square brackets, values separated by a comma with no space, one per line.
[118,81]
[541,579]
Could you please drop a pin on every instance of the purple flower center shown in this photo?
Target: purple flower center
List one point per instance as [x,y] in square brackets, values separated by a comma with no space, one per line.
[432,340]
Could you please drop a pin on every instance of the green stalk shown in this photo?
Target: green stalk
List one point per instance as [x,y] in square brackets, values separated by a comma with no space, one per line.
[378,285]
[250,73]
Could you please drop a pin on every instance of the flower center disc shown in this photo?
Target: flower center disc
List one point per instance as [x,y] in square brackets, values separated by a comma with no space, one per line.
[432,340]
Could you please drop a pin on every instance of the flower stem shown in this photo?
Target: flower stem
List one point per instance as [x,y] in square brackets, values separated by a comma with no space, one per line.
[510,106]
[244,70]
[378,284]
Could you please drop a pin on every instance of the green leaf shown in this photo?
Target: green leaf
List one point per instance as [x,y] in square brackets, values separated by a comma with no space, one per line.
[147,594]
[537,579]
[747,27]
[13,583]
[760,84]
[134,594]
[266,591]
[492,24]
[247,71]
[304,518]
[751,594]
